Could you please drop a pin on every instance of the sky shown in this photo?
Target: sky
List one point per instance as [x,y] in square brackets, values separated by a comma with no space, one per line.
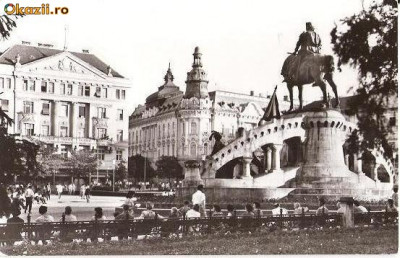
[243,43]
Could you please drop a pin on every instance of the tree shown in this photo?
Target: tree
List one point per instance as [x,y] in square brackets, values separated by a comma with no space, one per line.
[169,167]
[7,24]
[49,161]
[81,164]
[367,41]
[136,167]
[121,172]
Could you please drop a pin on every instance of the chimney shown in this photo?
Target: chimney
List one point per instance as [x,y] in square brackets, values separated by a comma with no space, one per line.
[85,51]
[252,93]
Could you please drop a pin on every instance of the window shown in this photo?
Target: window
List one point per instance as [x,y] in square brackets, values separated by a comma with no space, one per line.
[193,151]
[29,129]
[81,111]
[87,91]
[118,156]
[98,92]
[120,135]
[101,133]
[62,89]
[64,110]
[104,93]
[101,112]
[80,90]
[51,87]
[2,83]
[28,107]
[100,154]
[32,85]
[81,132]
[69,89]
[25,85]
[122,94]
[193,128]
[120,114]
[63,131]
[46,109]
[392,121]
[44,86]
[118,94]
[4,105]
[45,130]
[8,83]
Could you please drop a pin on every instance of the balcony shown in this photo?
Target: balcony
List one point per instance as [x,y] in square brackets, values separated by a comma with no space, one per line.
[60,140]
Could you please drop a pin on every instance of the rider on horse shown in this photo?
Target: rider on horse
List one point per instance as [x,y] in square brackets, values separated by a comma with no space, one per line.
[309,43]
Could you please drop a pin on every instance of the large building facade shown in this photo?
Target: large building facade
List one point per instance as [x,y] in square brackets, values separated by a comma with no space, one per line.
[177,123]
[67,100]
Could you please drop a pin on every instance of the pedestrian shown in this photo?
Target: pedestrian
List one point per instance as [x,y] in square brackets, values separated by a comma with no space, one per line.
[14,228]
[87,193]
[68,216]
[200,198]
[322,208]
[70,189]
[359,208]
[184,208]
[130,201]
[44,233]
[48,190]
[257,209]
[82,191]
[73,188]
[278,210]
[29,194]
[59,188]
[249,212]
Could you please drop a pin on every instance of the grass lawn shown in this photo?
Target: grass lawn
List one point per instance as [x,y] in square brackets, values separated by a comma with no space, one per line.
[382,240]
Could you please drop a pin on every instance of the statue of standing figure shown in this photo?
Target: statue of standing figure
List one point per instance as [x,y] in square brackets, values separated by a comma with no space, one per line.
[307,65]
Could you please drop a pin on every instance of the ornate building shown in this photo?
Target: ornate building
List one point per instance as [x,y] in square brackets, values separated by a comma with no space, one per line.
[176,123]
[65,99]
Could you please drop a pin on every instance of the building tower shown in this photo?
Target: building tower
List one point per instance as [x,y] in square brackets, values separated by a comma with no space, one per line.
[196,82]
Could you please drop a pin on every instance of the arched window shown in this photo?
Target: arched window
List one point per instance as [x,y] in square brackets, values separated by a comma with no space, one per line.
[169,129]
[193,128]
[168,150]
[193,151]
[163,129]
[173,149]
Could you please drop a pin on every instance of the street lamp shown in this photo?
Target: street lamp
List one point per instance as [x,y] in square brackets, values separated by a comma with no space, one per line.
[113,175]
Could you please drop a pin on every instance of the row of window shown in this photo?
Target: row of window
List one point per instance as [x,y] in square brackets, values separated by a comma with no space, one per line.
[166,150]
[100,152]
[67,89]
[29,130]
[64,110]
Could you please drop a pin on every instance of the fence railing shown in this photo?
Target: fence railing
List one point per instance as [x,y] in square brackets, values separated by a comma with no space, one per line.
[106,230]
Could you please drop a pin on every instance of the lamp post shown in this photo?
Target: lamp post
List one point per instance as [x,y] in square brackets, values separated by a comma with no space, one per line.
[144,175]
[113,183]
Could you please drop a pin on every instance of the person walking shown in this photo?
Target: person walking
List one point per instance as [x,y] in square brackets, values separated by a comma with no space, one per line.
[59,188]
[199,198]
[82,191]
[48,187]
[29,194]
[87,193]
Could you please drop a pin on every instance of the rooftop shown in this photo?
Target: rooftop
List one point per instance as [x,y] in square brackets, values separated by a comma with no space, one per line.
[30,54]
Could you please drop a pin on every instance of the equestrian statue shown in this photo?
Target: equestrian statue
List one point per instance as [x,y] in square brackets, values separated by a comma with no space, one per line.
[307,65]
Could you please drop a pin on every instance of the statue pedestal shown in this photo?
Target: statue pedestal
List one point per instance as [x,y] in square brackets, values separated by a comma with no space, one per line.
[324,165]
[192,174]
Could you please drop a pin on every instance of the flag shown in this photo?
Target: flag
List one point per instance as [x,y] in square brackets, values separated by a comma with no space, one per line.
[272,110]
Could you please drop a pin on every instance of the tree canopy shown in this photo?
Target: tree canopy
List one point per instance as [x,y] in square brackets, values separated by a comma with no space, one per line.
[367,41]
[81,163]
[169,167]
[136,167]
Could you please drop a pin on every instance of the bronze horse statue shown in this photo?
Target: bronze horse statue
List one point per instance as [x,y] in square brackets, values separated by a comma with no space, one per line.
[313,68]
